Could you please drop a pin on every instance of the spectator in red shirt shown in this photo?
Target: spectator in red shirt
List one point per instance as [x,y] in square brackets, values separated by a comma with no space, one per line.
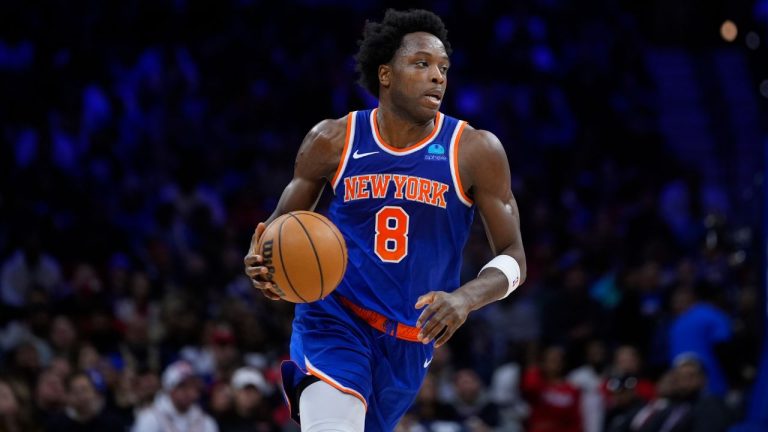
[555,404]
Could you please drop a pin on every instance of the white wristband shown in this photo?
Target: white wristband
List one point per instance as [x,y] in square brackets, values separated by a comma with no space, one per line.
[509,267]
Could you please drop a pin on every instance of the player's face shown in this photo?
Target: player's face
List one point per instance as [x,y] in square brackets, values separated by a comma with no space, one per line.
[419,75]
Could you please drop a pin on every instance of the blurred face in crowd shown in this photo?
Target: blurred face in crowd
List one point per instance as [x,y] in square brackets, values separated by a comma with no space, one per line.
[185,394]
[146,387]
[225,352]
[61,367]
[49,392]
[627,360]
[468,385]
[595,354]
[83,397]
[622,390]
[221,399]
[247,399]
[9,406]
[88,357]
[140,286]
[689,379]
[137,333]
[553,362]
[27,358]
[63,334]
[682,299]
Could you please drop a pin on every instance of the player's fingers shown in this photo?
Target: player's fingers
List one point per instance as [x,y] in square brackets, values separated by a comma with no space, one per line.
[445,336]
[266,288]
[260,284]
[431,330]
[252,259]
[425,299]
[256,271]
[271,294]
[434,324]
[259,230]
[426,314]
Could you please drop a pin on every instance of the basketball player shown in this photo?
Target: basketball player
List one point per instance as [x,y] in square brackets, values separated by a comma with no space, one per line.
[407,180]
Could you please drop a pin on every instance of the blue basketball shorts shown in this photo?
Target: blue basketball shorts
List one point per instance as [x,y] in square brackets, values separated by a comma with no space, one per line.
[332,344]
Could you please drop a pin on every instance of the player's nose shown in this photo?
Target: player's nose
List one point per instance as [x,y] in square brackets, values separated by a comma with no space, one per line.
[437,76]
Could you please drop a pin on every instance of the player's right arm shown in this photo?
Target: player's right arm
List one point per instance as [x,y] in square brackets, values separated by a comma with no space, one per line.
[316,163]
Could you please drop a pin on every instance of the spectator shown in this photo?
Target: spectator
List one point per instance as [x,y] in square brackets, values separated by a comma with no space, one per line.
[555,404]
[703,330]
[626,403]
[473,405]
[505,392]
[14,416]
[85,410]
[429,412]
[252,411]
[647,418]
[589,379]
[692,409]
[176,408]
[218,358]
[27,270]
[63,337]
[50,396]
[627,362]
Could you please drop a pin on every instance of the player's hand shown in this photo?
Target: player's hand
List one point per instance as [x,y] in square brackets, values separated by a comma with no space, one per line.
[445,313]
[256,272]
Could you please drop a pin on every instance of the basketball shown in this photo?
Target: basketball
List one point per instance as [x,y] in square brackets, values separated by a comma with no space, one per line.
[305,254]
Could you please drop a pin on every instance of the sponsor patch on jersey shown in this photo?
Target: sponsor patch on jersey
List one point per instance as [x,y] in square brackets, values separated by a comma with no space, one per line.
[435,152]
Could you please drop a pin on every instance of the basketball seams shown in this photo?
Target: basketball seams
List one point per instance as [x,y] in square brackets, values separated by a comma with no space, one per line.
[314,250]
[282,261]
[334,230]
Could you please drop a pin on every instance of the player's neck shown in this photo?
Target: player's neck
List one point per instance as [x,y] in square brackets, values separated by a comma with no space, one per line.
[399,130]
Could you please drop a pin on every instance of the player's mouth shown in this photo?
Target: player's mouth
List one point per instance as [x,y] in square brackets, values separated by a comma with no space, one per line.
[434,98]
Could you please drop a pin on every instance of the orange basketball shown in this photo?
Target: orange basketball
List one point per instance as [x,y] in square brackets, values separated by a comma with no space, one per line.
[305,254]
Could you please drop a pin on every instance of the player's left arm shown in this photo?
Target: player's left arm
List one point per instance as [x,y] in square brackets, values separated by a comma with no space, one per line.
[484,173]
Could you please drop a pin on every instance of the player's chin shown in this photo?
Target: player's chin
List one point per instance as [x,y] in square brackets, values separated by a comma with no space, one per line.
[428,110]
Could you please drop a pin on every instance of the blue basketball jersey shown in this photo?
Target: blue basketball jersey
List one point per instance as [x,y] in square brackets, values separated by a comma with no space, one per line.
[403,214]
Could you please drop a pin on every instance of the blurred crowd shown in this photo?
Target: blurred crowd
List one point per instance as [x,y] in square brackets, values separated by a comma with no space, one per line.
[143,141]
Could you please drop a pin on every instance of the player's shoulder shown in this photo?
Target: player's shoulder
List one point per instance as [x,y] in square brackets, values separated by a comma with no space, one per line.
[480,142]
[329,130]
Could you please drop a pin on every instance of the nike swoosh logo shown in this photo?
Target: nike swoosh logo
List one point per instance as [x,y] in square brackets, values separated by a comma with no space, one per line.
[427,362]
[357,155]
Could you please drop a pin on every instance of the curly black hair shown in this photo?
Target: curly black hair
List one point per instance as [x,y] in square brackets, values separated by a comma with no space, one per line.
[381,40]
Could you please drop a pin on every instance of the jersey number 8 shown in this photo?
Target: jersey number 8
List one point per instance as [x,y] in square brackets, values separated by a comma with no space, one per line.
[391,241]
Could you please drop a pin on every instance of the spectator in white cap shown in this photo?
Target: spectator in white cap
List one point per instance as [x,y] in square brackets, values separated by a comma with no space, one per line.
[252,410]
[175,409]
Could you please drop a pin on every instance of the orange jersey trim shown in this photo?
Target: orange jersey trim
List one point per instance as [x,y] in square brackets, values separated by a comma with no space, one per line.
[455,164]
[332,382]
[414,147]
[345,152]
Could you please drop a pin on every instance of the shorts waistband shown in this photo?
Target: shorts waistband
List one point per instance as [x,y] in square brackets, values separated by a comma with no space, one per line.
[382,323]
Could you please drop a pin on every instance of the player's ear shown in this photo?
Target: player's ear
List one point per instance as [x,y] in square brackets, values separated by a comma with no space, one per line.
[385,75]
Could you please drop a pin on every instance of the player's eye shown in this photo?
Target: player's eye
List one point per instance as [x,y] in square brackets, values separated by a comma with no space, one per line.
[444,69]
[422,64]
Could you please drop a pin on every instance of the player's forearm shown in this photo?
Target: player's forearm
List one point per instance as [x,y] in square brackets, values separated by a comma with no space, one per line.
[488,287]
[300,194]
[492,284]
